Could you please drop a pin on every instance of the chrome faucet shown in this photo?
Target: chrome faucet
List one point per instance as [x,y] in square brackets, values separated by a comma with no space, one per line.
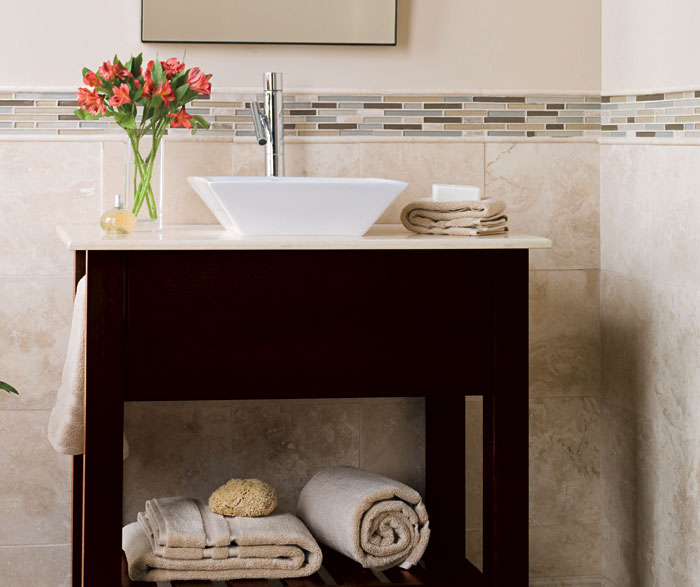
[269,124]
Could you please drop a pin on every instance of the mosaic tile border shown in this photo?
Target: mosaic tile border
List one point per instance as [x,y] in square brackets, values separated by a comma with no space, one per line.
[659,115]
[327,115]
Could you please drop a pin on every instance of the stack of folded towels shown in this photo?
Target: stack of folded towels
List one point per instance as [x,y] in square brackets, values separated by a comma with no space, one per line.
[459,218]
[181,539]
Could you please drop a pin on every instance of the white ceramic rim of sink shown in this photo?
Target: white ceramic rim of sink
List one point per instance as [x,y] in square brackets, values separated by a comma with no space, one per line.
[312,214]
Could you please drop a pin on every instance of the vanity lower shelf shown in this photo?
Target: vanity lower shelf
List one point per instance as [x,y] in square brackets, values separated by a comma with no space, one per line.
[336,570]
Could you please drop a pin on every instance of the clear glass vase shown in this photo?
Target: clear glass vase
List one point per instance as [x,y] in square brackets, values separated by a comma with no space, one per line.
[144,182]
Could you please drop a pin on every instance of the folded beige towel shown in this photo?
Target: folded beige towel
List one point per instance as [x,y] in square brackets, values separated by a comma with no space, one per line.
[374,520]
[463,218]
[272,547]
[65,428]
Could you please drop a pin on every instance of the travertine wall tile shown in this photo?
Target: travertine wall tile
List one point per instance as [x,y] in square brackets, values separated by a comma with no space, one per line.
[565,550]
[35,315]
[552,190]
[181,204]
[35,482]
[393,439]
[287,443]
[36,565]
[320,159]
[564,463]
[42,185]
[626,341]
[564,333]
[421,165]
[625,211]
[176,448]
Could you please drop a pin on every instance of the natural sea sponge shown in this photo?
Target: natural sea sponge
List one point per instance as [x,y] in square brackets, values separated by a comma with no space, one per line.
[244,497]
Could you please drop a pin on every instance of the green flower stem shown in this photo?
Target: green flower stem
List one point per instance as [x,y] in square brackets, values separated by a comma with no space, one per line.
[143,169]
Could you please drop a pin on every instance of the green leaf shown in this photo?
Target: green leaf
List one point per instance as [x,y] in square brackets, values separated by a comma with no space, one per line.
[180,92]
[7,387]
[157,72]
[136,64]
[86,70]
[85,115]
[200,122]
[178,80]
[125,119]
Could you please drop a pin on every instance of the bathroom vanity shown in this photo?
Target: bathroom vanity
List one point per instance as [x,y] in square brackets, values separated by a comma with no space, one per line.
[204,314]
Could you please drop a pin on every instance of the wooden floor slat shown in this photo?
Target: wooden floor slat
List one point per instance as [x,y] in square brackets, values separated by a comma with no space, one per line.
[312,581]
[348,572]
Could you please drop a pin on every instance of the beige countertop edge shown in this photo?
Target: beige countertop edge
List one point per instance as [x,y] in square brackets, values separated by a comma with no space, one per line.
[381,236]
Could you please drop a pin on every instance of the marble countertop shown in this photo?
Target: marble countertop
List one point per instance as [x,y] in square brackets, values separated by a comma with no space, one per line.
[81,237]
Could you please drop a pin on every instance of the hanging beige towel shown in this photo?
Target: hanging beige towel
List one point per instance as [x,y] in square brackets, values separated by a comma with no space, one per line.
[462,218]
[374,520]
[66,420]
[271,547]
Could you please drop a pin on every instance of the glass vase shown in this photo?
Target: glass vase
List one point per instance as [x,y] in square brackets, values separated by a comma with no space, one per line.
[144,181]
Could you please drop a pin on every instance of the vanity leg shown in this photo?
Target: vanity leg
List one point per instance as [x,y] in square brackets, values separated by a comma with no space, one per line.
[506,428]
[104,418]
[77,475]
[445,487]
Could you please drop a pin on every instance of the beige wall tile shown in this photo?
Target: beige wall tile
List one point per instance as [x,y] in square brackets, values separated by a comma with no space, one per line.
[552,190]
[475,548]
[670,173]
[248,159]
[619,558]
[35,315]
[564,462]
[625,204]
[113,172]
[421,165]
[35,482]
[393,439]
[42,185]
[176,448]
[181,204]
[675,357]
[321,159]
[31,566]
[286,443]
[564,333]
[565,550]
[625,326]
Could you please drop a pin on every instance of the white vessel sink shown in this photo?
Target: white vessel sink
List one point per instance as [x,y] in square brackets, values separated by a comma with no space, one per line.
[298,206]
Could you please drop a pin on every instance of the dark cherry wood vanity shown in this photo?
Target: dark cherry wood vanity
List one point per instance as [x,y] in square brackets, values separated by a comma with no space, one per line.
[200,315]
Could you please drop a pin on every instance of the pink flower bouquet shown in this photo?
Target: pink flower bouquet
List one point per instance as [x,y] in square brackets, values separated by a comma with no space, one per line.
[157,94]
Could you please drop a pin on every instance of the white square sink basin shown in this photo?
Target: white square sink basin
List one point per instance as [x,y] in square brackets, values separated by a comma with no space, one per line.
[297,206]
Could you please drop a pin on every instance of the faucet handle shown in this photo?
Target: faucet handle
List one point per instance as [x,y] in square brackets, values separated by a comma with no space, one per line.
[272,81]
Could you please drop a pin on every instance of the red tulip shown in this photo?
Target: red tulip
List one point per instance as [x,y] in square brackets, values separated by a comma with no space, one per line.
[91,101]
[181,119]
[121,96]
[199,81]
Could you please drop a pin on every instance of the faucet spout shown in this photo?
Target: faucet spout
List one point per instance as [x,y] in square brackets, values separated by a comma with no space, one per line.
[260,123]
[269,124]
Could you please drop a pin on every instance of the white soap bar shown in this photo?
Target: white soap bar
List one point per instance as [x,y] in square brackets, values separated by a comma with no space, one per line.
[454,193]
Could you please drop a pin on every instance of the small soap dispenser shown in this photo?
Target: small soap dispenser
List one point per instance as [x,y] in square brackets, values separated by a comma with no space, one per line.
[118,221]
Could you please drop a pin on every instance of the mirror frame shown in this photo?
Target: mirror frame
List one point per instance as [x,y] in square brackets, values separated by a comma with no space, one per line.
[392,44]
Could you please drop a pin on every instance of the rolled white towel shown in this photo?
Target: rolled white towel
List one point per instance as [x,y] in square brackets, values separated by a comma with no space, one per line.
[379,522]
